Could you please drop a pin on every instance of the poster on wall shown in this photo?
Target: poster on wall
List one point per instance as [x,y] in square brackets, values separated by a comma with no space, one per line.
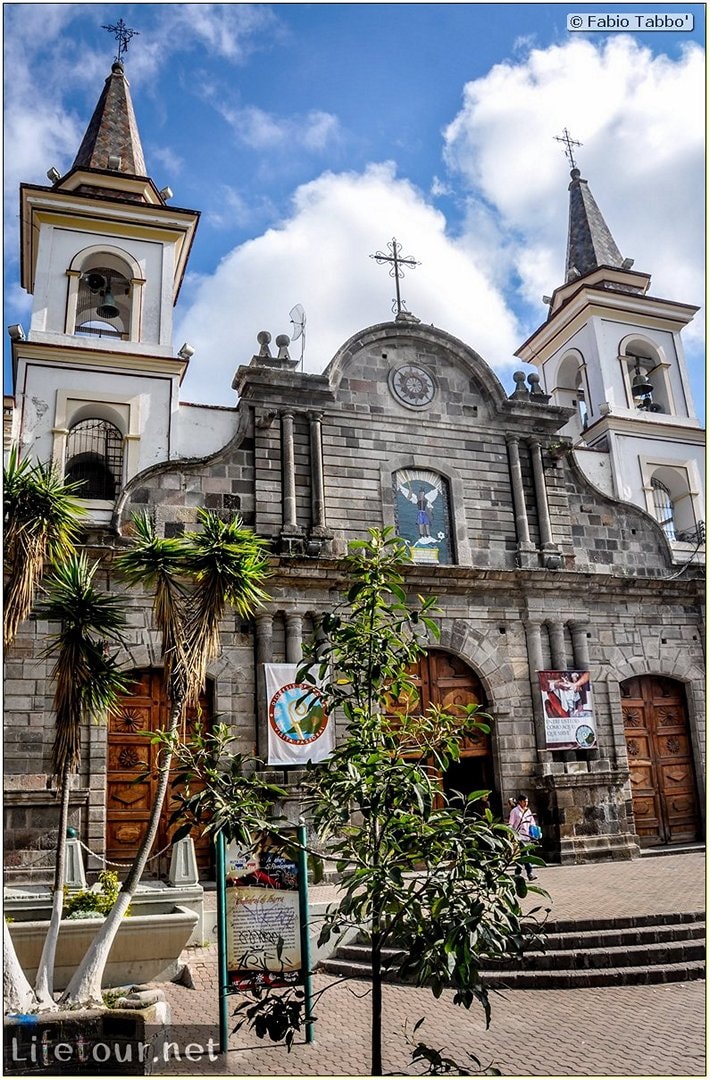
[300,729]
[568,711]
[422,512]
[263,918]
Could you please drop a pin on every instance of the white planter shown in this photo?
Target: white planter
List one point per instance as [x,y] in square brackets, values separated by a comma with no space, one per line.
[146,949]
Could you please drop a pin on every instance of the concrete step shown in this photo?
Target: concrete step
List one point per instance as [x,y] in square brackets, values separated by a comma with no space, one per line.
[590,952]
[563,978]
[677,849]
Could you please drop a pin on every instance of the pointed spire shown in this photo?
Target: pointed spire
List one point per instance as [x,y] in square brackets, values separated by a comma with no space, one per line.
[589,241]
[112,142]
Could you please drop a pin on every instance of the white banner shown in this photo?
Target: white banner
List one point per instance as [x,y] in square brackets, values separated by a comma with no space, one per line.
[300,729]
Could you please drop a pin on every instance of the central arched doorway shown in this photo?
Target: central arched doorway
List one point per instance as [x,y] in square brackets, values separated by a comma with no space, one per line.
[131,774]
[446,680]
[663,782]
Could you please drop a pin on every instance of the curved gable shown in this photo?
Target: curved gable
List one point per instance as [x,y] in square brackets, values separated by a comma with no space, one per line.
[368,364]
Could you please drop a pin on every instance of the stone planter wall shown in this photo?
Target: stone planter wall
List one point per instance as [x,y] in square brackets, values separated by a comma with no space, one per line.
[146,949]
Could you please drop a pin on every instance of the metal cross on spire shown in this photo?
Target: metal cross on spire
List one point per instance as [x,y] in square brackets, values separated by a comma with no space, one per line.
[397,261]
[123,35]
[569,142]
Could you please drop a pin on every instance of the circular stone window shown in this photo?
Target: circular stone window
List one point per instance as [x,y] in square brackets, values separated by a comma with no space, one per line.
[412,385]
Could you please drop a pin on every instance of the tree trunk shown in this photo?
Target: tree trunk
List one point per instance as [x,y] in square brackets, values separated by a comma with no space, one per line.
[84,988]
[17,992]
[376,1025]
[44,981]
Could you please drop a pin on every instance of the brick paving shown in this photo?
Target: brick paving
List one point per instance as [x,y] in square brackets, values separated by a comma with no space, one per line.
[609,1031]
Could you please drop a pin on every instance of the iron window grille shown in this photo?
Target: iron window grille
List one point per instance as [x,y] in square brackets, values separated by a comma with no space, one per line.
[95,458]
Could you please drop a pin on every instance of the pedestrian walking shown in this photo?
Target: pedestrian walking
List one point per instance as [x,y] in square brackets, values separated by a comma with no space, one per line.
[521,819]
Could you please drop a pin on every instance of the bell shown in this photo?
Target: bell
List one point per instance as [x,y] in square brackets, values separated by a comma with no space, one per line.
[641,385]
[107,308]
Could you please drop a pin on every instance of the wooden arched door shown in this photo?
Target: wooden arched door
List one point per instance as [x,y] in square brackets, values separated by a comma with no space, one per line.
[129,799]
[660,757]
[446,680]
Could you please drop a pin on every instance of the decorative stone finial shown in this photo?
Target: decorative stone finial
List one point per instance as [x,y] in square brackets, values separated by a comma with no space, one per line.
[521,390]
[264,337]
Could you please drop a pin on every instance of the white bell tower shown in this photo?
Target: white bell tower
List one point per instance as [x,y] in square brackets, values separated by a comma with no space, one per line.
[103,256]
[614,352]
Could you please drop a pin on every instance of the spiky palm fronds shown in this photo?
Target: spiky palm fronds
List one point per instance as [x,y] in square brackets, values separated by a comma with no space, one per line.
[42,521]
[158,563]
[229,565]
[87,678]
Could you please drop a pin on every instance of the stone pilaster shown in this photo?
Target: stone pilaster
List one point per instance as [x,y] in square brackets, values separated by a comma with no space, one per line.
[526,550]
[552,558]
[264,655]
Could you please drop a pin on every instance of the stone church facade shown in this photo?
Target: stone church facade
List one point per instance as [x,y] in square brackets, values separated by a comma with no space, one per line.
[524,514]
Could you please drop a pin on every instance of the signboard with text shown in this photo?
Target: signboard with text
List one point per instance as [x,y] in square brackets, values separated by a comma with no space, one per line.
[263,918]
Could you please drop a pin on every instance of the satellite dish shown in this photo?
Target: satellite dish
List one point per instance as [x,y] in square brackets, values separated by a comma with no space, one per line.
[297,315]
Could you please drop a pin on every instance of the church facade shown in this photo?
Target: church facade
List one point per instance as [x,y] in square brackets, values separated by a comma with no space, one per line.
[559,525]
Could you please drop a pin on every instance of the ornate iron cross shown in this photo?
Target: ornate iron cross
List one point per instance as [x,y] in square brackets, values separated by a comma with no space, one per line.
[397,261]
[123,35]
[569,142]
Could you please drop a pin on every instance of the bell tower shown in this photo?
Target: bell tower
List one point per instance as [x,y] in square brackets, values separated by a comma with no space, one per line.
[103,256]
[613,351]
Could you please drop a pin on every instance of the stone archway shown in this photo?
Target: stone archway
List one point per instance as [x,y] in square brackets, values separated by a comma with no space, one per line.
[658,745]
[445,679]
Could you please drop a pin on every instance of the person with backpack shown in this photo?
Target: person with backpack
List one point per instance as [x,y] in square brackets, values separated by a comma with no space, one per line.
[522,821]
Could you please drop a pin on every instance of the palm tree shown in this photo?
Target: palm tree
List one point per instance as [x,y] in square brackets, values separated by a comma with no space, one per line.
[194,580]
[42,521]
[87,685]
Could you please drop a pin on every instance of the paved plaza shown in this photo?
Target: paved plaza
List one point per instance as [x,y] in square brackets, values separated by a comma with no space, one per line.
[610,1031]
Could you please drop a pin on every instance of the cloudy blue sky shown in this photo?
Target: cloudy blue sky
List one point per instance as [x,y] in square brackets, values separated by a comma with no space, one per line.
[310,134]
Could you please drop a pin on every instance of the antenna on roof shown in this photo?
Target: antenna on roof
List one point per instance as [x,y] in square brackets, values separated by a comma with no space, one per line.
[297,315]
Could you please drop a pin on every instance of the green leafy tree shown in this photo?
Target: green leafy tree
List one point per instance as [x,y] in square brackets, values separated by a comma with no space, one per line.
[430,876]
[195,579]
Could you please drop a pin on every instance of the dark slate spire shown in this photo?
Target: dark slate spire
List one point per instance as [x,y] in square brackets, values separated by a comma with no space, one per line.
[112,141]
[589,242]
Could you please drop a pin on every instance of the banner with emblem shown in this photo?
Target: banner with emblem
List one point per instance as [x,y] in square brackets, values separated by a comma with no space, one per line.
[300,729]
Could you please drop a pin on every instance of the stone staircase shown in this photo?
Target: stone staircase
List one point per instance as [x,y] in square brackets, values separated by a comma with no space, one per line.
[624,951]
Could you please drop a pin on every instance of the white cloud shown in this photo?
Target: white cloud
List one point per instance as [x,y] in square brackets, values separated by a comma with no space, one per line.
[319,258]
[640,119]
[262,130]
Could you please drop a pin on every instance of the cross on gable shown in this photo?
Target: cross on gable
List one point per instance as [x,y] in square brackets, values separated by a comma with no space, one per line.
[569,142]
[396,261]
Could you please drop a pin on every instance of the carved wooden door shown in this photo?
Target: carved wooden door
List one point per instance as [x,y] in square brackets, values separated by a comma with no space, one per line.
[445,680]
[660,761]
[129,799]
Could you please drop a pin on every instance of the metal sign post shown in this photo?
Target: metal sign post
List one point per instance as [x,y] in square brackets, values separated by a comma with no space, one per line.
[305,938]
[222,943]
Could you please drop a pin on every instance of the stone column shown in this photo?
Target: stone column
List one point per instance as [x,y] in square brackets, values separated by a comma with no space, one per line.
[558,655]
[553,559]
[294,637]
[264,654]
[522,526]
[318,521]
[288,475]
[580,650]
[72,299]
[535,663]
